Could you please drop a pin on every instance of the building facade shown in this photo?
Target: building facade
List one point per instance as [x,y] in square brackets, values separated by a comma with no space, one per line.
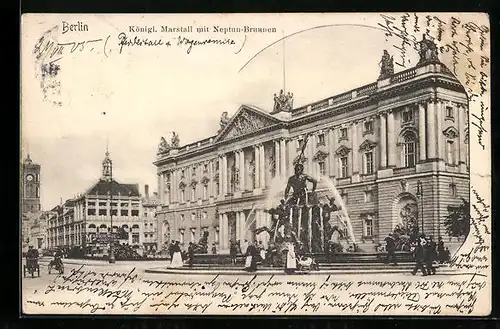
[30,200]
[85,220]
[395,150]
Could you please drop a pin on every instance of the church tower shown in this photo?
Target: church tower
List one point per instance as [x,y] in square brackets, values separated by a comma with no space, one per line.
[30,190]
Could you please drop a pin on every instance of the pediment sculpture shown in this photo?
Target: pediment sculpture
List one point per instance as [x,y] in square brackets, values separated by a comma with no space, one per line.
[343,151]
[367,145]
[386,66]
[283,102]
[428,51]
[247,122]
[320,156]
[163,147]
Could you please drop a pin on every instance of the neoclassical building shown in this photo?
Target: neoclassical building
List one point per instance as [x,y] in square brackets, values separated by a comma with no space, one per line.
[396,151]
[85,220]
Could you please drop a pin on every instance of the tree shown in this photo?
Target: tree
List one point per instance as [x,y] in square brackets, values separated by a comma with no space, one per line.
[457,222]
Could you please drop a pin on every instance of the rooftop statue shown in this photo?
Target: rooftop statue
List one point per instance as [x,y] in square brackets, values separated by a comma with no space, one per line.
[428,51]
[386,66]
[224,120]
[283,102]
[163,147]
[175,140]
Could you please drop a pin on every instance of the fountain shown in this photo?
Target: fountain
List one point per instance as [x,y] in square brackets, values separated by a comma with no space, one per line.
[315,226]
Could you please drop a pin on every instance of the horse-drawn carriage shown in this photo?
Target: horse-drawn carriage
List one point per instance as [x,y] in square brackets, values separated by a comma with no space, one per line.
[56,264]
[31,267]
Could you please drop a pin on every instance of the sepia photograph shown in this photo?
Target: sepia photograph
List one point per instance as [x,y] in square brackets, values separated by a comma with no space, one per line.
[256,164]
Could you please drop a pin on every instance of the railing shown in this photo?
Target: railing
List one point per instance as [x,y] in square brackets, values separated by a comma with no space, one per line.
[403,76]
[400,171]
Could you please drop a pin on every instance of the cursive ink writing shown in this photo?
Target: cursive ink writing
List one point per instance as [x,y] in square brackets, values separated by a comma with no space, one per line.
[479,124]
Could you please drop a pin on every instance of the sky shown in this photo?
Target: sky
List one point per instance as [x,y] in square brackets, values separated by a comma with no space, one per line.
[149,92]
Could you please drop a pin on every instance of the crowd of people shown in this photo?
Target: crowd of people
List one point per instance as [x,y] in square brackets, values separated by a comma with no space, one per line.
[427,253]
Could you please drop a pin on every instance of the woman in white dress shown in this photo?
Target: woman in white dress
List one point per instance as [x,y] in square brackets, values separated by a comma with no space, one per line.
[177,256]
[291,259]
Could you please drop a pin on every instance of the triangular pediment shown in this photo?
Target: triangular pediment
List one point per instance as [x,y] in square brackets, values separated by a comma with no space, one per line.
[367,145]
[342,151]
[320,156]
[246,121]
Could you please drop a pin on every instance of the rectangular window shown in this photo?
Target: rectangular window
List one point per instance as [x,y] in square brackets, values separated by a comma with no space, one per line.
[369,163]
[193,216]
[91,212]
[135,212]
[204,215]
[181,237]
[449,112]
[343,167]
[103,212]
[124,204]
[102,204]
[321,139]
[123,212]
[145,214]
[114,212]
[114,204]
[135,238]
[368,196]
[205,192]
[368,126]
[217,188]
[193,235]
[182,218]
[91,204]
[321,165]
[205,167]
[453,190]
[182,173]
[193,193]
[183,196]
[216,165]
[343,133]
[368,227]
[449,152]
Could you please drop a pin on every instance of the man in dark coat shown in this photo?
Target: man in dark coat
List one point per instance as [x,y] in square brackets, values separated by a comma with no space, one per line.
[440,250]
[430,256]
[390,247]
[190,254]
[254,254]
[419,254]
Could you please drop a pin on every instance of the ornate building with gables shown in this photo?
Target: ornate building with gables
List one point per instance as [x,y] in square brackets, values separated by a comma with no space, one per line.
[396,150]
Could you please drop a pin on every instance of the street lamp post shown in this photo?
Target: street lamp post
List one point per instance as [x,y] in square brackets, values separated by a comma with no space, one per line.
[420,195]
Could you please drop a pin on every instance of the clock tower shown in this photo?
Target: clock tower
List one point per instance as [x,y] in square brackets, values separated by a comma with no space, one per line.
[30,186]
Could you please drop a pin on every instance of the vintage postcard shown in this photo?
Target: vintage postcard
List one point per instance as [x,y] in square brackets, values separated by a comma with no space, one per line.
[256,164]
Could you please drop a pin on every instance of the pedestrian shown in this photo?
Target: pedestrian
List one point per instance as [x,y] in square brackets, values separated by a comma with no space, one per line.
[251,258]
[440,250]
[244,247]
[190,254]
[430,256]
[271,254]
[214,249]
[176,256]
[232,252]
[291,258]
[390,247]
[419,258]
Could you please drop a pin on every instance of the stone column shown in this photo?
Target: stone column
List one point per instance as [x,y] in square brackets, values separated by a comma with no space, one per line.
[431,129]
[383,141]
[461,136]
[291,154]
[283,158]
[331,153]
[224,175]
[243,232]
[355,152]
[221,179]
[257,166]
[262,166]
[439,133]
[421,132]
[221,232]
[391,140]
[238,226]
[242,170]
[225,231]
[161,188]
[277,166]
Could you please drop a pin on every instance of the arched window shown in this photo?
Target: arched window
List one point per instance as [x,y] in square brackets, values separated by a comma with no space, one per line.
[409,150]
